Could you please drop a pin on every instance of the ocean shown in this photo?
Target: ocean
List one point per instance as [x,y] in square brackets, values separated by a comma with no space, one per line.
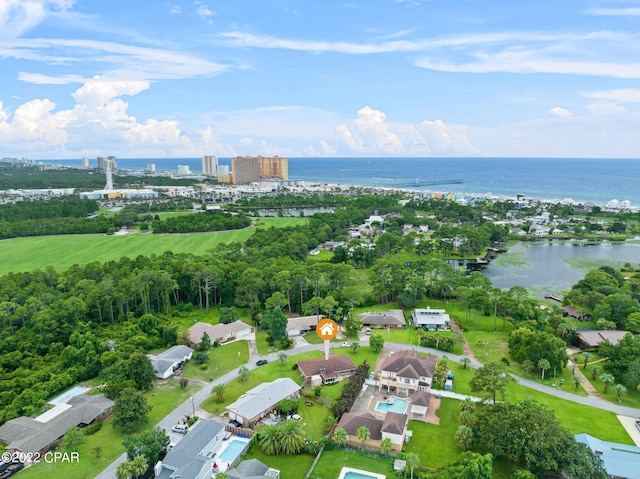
[596,180]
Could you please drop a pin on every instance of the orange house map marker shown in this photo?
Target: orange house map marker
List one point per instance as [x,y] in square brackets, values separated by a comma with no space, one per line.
[327,329]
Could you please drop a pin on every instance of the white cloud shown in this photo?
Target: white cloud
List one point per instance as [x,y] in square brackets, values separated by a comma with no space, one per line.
[622,95]
[246,141]
[175,10]
[97,92]
[326,148]
[560,112]
[20,16]
[531,61]
[606,108]
[371,135]
[205,12]
[614,12]
[129,62]
[41,79]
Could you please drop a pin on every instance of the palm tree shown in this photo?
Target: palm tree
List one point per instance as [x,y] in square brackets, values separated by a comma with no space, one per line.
[465,362]
[269,439]
[480,345]
[354,346]
[620,390]
[543,365]
[243,373]
[465,418]
[607,379]
[527,365]
[282,357]
[329,422]
[578,380]
[363,434]
[464,437]
[594,371]
[218,392]
[138,466]
[437,336]
[586,355]
[412,460]
[340,436]
[386,445]
[291,437]
[123,471]
[467,405]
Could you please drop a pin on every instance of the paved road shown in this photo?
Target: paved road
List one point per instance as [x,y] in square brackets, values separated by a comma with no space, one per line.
[190,405]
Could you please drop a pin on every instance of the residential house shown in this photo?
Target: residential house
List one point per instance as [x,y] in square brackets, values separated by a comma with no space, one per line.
[591,339]
[405,372]
[192,457]
[393,426]
[326,371]
[573,313]
[25,434]
[621,461]
[261,400]
[393,318]
[302,324]
[253,469]
[167,362]
[219,332]
[430,318]
[420,405]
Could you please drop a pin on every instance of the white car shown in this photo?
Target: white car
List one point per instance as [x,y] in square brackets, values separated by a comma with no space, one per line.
[181,428]
[346,344]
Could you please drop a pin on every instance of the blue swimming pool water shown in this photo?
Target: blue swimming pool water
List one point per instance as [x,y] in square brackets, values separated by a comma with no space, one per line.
[399,406]
[65,396]
[232,451]
[358,475]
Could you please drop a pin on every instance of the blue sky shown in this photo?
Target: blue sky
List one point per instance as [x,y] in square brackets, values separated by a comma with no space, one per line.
[396,78]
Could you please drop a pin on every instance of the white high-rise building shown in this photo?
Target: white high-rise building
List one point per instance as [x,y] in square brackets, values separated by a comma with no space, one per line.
[151,167]
[210,165]
[184,170]
[85,162]
[223,170]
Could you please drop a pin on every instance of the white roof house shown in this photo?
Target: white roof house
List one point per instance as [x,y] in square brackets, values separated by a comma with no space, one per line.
[259,401]
[165,363]
[302,324]
[219,332]
[431,318]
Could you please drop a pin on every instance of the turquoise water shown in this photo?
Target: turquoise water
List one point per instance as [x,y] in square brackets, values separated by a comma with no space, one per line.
[358,475]
[65,396]
[233,450]
[399,406]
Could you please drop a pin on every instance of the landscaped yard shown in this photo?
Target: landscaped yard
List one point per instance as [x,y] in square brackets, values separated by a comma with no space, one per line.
[290,467]
[222,359]
[163,398]
[332,462]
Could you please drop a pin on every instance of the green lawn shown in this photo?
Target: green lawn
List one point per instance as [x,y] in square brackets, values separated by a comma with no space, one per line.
[435,444]
[313,417]
[221,360]
[332,462]
[163,398]
[290,467]
[61,252]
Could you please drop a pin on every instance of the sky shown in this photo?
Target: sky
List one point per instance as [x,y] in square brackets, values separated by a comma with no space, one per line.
[312,78]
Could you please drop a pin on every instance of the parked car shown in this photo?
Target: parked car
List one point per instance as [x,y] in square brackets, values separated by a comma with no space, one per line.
[11,469]
[181,428]
[346,344]
[235,423]
[368,331]
[638,425]
[260,362]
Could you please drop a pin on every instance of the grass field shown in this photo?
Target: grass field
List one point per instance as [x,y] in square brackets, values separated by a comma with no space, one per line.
[61,252]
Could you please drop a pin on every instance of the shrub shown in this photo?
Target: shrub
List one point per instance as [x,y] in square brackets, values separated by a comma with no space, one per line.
[92,428]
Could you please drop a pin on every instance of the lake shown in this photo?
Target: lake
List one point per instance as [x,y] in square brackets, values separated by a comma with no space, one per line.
[553,267]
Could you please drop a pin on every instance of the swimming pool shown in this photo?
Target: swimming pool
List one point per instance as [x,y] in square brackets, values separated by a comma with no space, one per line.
[232,451]
[350,473]
[399,405]
[65,396]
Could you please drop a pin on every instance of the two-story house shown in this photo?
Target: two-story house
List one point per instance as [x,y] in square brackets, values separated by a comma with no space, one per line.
[405,372]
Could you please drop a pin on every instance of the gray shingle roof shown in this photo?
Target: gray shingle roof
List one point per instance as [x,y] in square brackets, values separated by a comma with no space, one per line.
[249,469]
[188,458]
[28,435]
[393,317]
[263,397]
[215,331]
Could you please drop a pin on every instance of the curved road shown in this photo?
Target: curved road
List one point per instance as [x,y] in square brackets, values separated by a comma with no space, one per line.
[190,405]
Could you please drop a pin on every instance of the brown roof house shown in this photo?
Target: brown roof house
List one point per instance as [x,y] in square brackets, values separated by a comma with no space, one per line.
[420,405]
[405,372]
[394,318]
[592,339]
[393,426]
[326,371]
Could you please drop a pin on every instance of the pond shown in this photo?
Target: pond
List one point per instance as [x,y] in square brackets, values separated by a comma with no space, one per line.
[553,267]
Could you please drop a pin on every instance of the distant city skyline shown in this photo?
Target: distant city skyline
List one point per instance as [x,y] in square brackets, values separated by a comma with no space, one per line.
[373,78]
